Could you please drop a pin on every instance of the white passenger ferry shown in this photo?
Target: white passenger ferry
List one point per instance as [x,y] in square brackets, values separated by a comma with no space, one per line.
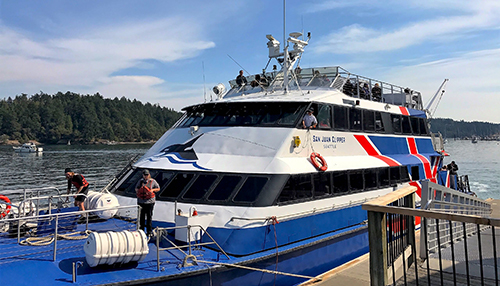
[247,195]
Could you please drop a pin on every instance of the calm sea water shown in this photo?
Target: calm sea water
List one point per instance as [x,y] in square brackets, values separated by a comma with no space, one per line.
[481,161]
[99,163]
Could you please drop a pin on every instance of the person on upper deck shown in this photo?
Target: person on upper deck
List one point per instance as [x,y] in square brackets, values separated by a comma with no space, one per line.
[377,93]
[309,121]
[81,185]
[348,88]
[262,81]
[241,79]
[364,91]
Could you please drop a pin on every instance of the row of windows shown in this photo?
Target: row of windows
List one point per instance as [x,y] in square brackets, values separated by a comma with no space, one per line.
[356,119]
[330,117]
[190,186]
[238,189]
[326,184]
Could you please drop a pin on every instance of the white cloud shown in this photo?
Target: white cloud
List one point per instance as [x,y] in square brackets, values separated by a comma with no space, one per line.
[356,38]
[472,92]
[90,59]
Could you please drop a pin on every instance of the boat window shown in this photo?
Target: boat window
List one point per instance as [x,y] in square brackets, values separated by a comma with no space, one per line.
[379,124]
[322,184]
[415,175]
[224,188]
[396,123]
[340,117]
[251,189]
[243,114]
[370,176]
[324,117]
[423,126]
[340,183]
[405,176]
[406,125]
[163,178]
[297,187]
[177,184]
[395,175]
[355,119]
[128,186]
[368,120]
[415,125]
[200,186]
[383,177]
[356,181]
[290,114]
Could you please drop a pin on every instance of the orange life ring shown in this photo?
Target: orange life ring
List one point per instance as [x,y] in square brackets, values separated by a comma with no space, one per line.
[314,160]
[7,210]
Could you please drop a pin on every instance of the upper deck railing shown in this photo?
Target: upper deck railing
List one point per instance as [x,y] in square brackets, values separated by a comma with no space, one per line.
[330,78]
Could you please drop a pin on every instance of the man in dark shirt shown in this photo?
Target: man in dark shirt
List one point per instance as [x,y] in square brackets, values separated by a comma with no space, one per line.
[81,185]
[241,79]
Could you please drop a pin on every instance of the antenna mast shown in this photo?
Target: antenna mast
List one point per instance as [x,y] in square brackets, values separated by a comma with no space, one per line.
[285,51]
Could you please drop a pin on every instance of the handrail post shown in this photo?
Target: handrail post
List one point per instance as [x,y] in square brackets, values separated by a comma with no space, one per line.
[158,235]
[410,203]
[377,237]
[55,237]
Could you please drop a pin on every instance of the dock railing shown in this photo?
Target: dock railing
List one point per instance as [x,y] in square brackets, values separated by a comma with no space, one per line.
[393,243]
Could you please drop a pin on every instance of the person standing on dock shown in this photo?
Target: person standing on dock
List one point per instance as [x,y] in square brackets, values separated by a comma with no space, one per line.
[81,185]
[145,190]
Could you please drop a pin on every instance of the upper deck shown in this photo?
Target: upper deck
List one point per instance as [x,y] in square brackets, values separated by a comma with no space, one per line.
[327,78]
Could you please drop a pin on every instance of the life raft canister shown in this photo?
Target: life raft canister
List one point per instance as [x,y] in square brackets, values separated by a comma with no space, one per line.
[145,192]
[317,159]
[7,209]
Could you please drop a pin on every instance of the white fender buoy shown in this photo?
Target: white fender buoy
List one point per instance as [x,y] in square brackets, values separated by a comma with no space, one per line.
[97,200]
[115,247]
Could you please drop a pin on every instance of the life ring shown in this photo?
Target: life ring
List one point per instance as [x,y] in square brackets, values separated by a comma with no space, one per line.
[7,210]
[314,160]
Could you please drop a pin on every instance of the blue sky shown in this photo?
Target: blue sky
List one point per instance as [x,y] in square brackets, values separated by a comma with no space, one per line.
[156,51]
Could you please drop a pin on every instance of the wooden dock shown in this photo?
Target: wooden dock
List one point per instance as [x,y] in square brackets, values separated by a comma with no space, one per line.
[357,271]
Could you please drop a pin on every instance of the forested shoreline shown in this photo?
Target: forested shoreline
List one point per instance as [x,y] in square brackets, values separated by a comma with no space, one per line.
[86,119]
[83,119]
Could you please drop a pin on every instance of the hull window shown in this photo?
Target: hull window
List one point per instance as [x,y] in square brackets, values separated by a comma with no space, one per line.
[340,118]
[251,189]
[200,186]
[224,188]
[356,181]
[368,121]
[406,125]
[177,185]
[396,123]
[355,119]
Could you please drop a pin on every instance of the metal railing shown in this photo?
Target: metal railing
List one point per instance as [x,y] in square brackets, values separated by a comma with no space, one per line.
[55,225]
[161,235]
[331,78]
[392,256]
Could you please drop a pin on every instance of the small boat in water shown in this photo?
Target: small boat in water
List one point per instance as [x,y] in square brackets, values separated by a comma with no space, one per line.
[474,140]
[28,147]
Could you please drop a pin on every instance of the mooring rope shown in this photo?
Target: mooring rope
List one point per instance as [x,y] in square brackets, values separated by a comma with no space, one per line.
[261,270]
[46,240]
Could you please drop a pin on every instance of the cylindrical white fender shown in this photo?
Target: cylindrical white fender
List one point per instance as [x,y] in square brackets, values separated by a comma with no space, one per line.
[115,247]
[96,200]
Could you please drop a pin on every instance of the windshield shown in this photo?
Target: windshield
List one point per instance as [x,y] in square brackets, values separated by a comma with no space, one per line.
[244,114]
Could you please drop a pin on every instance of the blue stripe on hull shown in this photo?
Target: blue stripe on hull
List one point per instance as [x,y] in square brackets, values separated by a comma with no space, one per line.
[251,240]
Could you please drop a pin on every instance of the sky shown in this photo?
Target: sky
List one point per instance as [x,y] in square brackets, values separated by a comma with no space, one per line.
[173,52]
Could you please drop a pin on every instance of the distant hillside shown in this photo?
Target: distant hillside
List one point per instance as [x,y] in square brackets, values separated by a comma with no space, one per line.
[81,118]
[450,128]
